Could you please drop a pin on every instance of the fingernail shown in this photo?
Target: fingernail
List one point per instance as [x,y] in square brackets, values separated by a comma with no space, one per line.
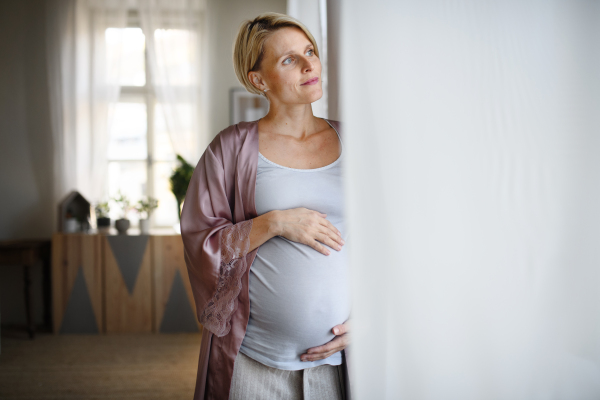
[343,241]
[336,330]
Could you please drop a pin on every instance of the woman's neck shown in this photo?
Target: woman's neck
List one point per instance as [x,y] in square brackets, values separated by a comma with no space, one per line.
[297,121]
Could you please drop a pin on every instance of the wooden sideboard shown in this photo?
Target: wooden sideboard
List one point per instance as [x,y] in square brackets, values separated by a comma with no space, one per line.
[121,284]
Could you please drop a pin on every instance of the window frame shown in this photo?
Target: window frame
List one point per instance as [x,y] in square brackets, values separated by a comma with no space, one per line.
[132,94]
[146,94]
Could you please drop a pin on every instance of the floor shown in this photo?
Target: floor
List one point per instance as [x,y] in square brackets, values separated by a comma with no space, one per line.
[124,366]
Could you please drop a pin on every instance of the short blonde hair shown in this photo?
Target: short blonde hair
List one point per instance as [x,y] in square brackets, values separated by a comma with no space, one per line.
[248,48]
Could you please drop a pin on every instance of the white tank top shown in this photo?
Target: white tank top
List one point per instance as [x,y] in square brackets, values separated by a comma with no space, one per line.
[297,294]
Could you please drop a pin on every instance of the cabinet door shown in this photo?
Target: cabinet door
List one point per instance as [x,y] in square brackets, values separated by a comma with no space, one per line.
[128,288]
[174,305]
[77,283]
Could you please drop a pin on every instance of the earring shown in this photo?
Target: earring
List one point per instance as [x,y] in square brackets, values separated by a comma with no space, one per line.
[265,90]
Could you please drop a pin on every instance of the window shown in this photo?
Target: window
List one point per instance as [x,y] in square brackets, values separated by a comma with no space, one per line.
[140,151]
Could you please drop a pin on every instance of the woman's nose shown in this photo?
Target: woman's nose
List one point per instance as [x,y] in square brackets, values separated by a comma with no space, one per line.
[308,64]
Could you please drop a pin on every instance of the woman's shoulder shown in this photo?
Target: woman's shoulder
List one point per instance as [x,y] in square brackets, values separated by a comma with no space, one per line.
[233,136]
[333,121]
[336,124]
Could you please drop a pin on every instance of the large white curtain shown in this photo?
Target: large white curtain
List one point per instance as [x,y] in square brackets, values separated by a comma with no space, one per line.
[176,77]
[84,89]
[473,196]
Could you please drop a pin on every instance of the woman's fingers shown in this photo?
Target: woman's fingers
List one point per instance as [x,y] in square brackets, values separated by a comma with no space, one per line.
[333,237]
[325,239]
[320,356]
[340,329]
[318,247]
[312,228]
[338,343]
[326,350]
[326,223]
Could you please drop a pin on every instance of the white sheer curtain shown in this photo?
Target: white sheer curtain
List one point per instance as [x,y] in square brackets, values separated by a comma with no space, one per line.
[175,69]
[473,192]
[313,14]
[84,88]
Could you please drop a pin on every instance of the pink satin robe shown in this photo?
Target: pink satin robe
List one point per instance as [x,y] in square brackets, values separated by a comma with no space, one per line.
[215,224]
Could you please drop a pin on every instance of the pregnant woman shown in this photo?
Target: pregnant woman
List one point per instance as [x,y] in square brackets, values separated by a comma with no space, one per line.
[264,234]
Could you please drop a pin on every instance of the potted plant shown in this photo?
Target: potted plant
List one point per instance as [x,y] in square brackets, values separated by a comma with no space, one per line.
[180,180]
[122,224]
[145,207]
[102,218]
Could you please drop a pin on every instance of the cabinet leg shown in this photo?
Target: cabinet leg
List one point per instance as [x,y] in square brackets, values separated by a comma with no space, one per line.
[29,302]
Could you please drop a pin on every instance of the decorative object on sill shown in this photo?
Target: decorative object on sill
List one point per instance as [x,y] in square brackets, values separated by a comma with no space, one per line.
[102,218]
[145,207]
[180,180]
[122,224]
[76,209]
[71,224]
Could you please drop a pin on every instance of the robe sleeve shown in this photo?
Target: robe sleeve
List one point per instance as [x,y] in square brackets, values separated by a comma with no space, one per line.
[214,247]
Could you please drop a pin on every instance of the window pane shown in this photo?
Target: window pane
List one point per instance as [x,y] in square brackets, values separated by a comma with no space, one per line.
[130,178]
[163,149]
[182,113]
[128,133]
[176,52]
[125,48]
[166,213]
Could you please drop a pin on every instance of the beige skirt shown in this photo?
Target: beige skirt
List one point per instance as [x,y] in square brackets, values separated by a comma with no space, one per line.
[253,380]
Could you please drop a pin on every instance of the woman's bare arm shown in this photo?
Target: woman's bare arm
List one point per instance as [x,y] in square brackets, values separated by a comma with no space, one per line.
[299,225]
[263,229]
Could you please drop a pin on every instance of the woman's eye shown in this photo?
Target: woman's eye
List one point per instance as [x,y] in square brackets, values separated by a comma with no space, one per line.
[289,58]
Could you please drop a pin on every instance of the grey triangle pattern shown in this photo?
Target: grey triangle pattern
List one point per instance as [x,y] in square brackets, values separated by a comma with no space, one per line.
[179,315]
[129,251]
[79,314]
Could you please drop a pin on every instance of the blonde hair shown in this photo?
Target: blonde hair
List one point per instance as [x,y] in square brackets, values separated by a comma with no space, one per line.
[248,48]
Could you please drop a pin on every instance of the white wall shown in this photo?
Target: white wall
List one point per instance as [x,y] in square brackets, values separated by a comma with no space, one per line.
[25,146]
[25,141]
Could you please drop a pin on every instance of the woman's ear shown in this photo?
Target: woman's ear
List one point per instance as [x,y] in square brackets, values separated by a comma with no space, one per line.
[257,80]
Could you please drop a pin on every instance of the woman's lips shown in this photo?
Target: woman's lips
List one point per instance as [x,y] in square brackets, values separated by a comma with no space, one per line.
[311,82]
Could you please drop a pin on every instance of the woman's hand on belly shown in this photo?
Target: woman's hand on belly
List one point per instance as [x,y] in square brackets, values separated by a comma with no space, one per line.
[341,340]
[308,227]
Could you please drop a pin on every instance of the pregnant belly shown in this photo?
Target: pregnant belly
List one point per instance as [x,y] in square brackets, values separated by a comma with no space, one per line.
[297,295]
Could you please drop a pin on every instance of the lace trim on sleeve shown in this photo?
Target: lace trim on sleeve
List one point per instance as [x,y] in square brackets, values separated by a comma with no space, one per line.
[235,242]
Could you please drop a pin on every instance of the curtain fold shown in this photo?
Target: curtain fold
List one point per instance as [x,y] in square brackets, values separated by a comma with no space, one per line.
[473,191]
[84,89]
[176,73]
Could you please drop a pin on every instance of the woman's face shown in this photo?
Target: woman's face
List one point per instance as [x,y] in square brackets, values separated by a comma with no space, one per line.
[288,63]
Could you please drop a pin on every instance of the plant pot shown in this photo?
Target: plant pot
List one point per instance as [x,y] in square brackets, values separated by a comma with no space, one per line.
[145,226]
[103,224]
[122,225]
